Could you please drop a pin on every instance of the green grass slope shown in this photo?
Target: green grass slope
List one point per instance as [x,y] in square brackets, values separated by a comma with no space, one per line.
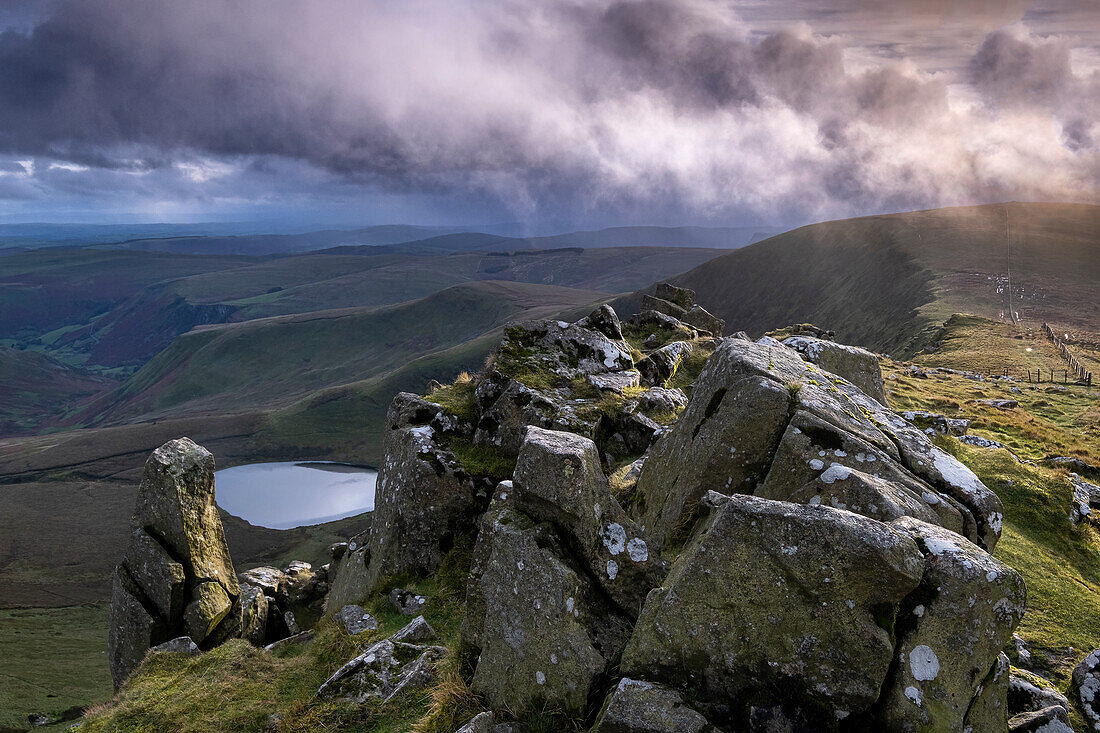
[271,362]
[886,282]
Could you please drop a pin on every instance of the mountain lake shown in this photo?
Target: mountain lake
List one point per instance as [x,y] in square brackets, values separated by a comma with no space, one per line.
[290,494]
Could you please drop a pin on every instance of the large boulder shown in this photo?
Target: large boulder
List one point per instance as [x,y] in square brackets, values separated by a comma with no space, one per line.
[542,629]
[776,596]
[558,479]
[743,402]
[950,632]
[424,498]
[858,366]
[819,462]
[704,320]
[177,577]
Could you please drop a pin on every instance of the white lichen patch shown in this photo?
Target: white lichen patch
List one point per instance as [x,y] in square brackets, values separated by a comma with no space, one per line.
[614,538]
[836,472]
[817,464]
[637,550]
[612,569]
[923,663]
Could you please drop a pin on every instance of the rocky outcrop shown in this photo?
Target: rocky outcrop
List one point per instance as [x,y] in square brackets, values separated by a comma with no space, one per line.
[659,366]
[558,480]
[774,596]
[950,633]
[761,416]
[177,578]
[793,556]
[541,627]
[424,498]
[858,366]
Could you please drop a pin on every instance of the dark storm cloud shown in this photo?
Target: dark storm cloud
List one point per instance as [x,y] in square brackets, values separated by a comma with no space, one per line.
[655,108]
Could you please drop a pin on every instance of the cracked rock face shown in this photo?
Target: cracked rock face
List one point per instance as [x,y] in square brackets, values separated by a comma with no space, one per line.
[776,596]
[177,577]
[858,366]
[424,498]
[544,630]
[558,479]
[760,415]
[950,631]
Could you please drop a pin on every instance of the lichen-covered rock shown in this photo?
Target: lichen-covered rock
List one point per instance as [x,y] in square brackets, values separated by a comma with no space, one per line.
[507,407]
[382,672]
[651,303]
[726,438]
[271,581]
[704,320]
[558,479]
[657,321]
[659,366]
[415,632]
[949,632]
[356,620]
[424,498]
[637,706]
[1054,719]
[177,576]
[1028,692]
[480,723]
[776,596]
[617,382]
[179,645]
[209,605]
[604,320]
[662,399]
[349,574]
[724,441]
[858,366]
[407,602]
[1086,680]
[683,297]
[254,613]
[627,433]
[817,459]
[567,349]
[936,423]
[989,711]
[543,630]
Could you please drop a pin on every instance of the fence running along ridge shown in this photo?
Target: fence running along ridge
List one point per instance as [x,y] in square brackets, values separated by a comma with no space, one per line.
[1082,374]
[1037,376]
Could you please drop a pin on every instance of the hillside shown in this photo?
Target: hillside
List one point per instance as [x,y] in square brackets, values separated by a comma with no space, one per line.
[888,281]
[270,362]
[39,391]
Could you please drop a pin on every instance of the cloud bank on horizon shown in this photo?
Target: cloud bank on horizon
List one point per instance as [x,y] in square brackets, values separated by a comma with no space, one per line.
[597,111]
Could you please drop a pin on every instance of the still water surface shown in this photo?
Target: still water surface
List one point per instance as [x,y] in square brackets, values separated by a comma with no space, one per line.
[293,494]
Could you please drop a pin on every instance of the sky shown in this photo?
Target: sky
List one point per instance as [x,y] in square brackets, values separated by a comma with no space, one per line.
[594,113]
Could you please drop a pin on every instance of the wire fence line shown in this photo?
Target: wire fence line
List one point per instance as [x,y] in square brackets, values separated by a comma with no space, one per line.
[1080,371]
